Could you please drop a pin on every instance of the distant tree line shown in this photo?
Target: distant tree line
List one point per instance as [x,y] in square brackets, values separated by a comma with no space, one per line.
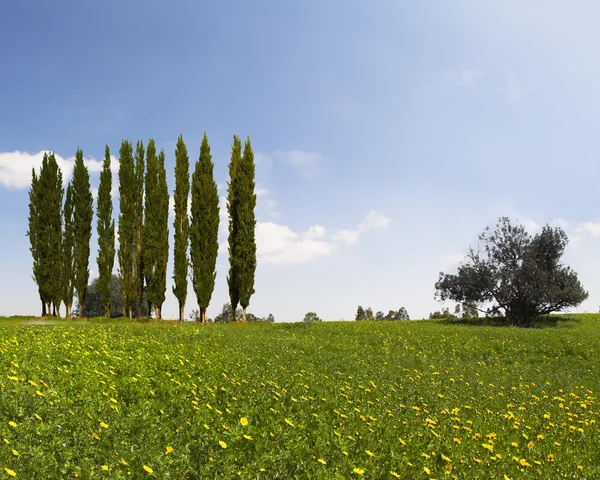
[60,232]
[362,314]
[227,314]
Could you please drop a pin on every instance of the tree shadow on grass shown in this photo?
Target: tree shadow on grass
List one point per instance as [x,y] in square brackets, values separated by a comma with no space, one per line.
[544,321]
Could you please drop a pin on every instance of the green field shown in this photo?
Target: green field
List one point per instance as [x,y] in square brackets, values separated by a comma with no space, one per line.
[333,400]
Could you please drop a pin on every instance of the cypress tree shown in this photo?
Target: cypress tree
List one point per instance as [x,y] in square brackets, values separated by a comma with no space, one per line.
[33,232]
[68,251]
[163,236]
[204,228]
[127,224]
[106,234]
[49,231]
[82,218]
[138,201]
[246,241]
[181,224]
[232,210]
[156,229]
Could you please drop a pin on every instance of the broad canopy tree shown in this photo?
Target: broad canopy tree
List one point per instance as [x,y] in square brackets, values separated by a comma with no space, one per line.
[519,275]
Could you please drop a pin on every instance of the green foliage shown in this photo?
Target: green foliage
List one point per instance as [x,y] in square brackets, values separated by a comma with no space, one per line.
[34,234]
[204,228]
[311,317]
[246,240]
[155,235]
[45,231]
[138,206]
[326,401]
[241,202]
[68,251]
[82,219]
[127,224]
[95,305]
[233,211]
[517,274]
[106,234]
[181,225]
[401,314]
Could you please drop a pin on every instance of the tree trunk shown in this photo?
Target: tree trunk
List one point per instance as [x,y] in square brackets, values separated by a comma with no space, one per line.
[244,315]
[81,306]
[53,309]
[43,308]
[156,313]
[106,311]
[181,307]
[67,311]
[203,316]
[130,313]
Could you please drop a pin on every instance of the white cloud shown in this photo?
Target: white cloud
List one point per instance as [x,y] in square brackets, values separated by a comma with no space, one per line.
[278,244]
[306,162]
[15,167]
[95,193]
[316,231]
[349,237]
[590,228]
[374,219]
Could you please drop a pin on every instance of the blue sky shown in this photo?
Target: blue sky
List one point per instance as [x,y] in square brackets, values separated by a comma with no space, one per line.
[387,134]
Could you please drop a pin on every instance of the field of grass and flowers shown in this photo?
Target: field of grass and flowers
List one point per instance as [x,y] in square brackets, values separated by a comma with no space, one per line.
[372,400]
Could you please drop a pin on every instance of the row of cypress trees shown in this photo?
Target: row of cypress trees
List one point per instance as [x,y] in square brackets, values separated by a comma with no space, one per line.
[60,233]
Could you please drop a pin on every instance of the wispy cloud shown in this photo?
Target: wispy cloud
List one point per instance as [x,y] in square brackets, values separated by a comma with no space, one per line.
[374,219]
[465,77]
[307,163]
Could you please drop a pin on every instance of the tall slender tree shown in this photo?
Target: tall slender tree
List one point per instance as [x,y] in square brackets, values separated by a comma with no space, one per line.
[83,214]
[33,232]
[68,251]
[45,232]
[138,200]
[246,240]
[127,224]
[181,224]
[204,228]
[156,229]
[106,233]
[232,210]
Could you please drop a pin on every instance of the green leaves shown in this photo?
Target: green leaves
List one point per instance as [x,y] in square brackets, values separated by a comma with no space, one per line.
[127,223]
[204,228]
[106,233]
[82,222]
[181,224]
[155,234]
[241,202]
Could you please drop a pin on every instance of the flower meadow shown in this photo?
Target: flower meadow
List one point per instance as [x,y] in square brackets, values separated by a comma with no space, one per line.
[351,400]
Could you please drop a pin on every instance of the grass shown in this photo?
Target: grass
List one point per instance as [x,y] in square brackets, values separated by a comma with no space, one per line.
[374,400]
